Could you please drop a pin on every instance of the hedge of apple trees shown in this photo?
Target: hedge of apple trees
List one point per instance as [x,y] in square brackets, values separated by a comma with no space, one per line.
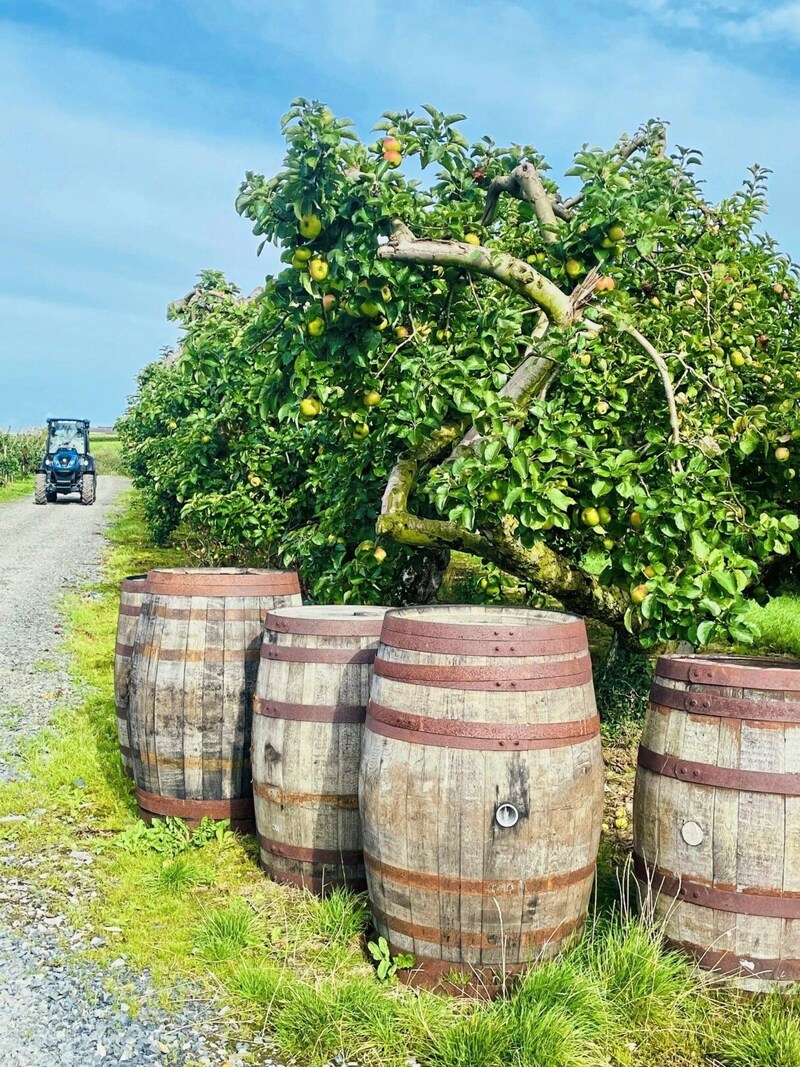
[19,455]
[595,390]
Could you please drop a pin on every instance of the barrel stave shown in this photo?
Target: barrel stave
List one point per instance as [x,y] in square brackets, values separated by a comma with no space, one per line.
[750,842]
[131,596]
[305,766]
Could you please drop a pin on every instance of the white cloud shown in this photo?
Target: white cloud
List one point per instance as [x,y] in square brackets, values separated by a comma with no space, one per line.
[116,207]
[773,23]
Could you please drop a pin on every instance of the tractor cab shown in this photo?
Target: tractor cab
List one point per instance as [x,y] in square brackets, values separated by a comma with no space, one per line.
[67,465]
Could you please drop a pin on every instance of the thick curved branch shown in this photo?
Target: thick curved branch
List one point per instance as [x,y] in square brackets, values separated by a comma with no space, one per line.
[539,564]
[404,247]
[524,183]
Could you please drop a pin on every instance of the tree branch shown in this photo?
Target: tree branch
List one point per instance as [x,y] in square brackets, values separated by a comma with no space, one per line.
[529,377]
[524,183]
[539,564]
[663,370]
[655,136]
[404,247]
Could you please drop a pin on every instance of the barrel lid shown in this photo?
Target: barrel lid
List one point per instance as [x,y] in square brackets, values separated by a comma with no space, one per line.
[484,623]
[748,672]
[354,620]
[222,581]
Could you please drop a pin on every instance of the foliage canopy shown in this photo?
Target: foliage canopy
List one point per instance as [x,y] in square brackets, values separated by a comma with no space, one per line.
[622,362]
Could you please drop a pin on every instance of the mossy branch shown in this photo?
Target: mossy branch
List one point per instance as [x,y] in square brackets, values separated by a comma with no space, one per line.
[404,247]
[539,564]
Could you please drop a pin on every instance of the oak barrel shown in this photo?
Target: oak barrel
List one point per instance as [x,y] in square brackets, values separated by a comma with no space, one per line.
[481,790]
[309,709]
[717,813]
[130,603]
[193,676]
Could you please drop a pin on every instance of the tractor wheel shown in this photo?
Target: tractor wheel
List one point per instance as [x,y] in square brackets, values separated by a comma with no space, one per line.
[40,491]
[88,490]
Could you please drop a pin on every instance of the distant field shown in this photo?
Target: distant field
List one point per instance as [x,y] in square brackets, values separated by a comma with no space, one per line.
[107,451]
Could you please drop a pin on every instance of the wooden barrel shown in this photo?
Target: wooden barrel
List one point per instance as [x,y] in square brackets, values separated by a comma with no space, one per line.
[192,680]
[310,705]
[481,790]
[717,813]
[130,603]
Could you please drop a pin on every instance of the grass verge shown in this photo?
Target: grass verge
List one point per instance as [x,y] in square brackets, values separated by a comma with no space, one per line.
[194,906]
[14,490]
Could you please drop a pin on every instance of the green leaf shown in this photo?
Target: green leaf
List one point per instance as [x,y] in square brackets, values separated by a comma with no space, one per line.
[704,631]
[699,547]
[749,442]
[725,580]
[559,499]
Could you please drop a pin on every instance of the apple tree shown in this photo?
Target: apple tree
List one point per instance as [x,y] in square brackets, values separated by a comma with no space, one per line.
[592,388]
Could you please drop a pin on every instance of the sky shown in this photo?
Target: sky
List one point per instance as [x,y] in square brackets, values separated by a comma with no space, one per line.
[126,127]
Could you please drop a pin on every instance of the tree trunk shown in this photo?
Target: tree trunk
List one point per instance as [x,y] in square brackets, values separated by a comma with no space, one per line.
[622,683]
[422,576]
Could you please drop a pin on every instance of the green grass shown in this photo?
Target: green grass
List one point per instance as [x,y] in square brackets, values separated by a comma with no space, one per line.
[107,451]
[14,490]
[778,623]
[197,908]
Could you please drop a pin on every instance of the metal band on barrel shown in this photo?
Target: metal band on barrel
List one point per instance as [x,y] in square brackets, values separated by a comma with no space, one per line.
[239,808]
[744,673]
[327,856]
[289,654]
[705,703]
[314,883]
[455,733]
[274,794]
[275,709]
[787,785]
[743,966]
[351,626]
[197,655]
[527,677]
[483,646]
[455,938]
[777,905]
[547,883]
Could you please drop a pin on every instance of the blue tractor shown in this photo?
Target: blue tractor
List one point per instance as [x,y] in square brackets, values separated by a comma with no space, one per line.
[67,465]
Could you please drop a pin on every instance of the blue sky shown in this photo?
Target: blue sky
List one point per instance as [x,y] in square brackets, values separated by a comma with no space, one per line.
[126,126]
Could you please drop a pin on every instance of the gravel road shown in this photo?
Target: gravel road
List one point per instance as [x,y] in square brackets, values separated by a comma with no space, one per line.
[56,1006]
[44,551]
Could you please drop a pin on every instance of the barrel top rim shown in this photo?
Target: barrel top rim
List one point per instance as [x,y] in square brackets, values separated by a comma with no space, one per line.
[462,615]
[222,581]
[721,661]
[330,611]
[211,571]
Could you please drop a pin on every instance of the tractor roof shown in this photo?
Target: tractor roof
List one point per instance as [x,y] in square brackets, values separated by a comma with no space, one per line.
[83,422]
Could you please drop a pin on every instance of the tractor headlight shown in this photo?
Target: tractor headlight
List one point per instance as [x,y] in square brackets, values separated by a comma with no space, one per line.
[48,463]
[84,461]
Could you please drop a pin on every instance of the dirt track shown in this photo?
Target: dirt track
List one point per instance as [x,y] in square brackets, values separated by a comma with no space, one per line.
[44,551]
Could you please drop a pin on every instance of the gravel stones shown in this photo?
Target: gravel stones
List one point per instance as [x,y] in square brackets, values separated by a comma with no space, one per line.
[58,1007]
